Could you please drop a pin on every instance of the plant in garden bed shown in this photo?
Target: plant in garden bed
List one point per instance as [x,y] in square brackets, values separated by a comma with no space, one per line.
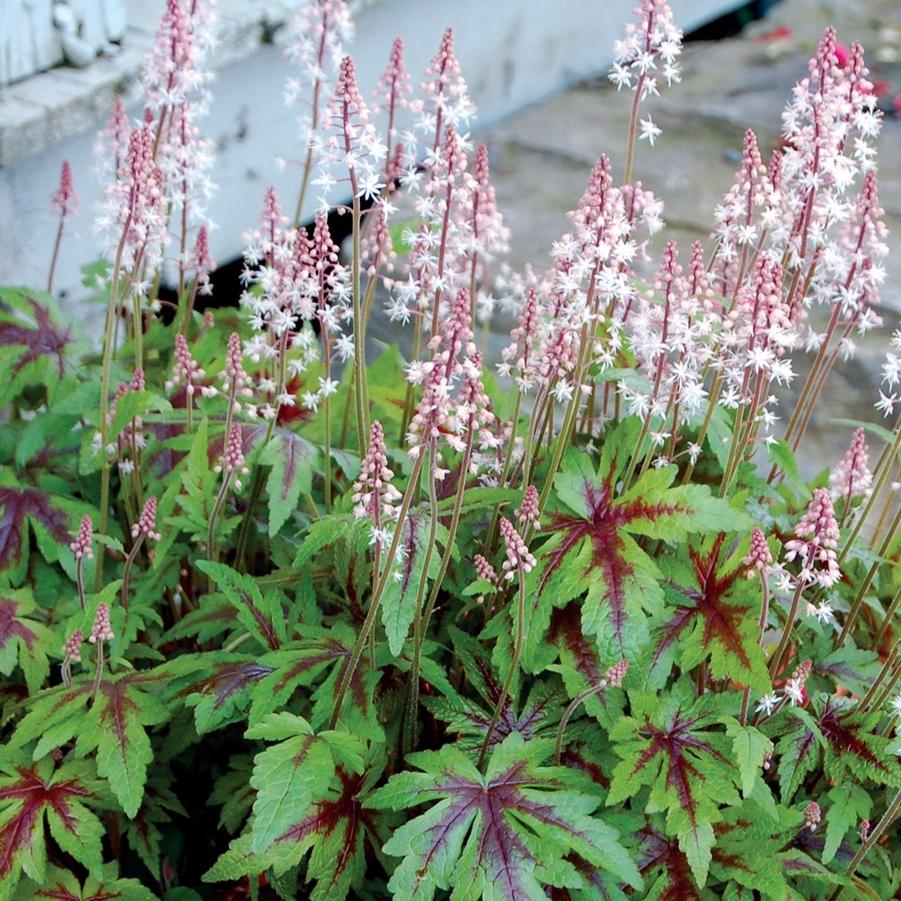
[566,624]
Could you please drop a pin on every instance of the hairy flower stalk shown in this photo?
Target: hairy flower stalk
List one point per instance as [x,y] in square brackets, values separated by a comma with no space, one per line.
[816,537]
[71,654]
[651,48]
[356,144]
[65,204]
[473,417]
[319,34]
[348,673]
[519,562]
[101,632]
[83,549]
[136,208]
[759,562]
[885,671]
[143,529]
[203,264]
[233,468]
[613,678]
[891,813]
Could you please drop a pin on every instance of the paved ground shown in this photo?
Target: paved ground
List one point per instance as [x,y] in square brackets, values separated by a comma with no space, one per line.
[541,157]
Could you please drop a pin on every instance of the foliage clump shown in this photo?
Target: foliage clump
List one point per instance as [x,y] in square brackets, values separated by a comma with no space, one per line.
[283,616]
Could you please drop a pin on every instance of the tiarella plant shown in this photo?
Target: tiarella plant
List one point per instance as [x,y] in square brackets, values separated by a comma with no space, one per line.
[304,621]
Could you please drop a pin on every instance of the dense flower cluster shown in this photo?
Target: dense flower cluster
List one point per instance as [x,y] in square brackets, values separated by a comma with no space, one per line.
[592,559]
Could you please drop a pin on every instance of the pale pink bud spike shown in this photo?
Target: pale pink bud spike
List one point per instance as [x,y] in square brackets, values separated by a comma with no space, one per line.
[202,261]
[82,545]
[146,524]
[185,371]
[484,570]
[232,460]
[852,477]
[65,200]
[815,541]
[519,559]
[528,512]
[72,648]
[812,816]
[759,558]
[374,495]
[101,630]
[617,673]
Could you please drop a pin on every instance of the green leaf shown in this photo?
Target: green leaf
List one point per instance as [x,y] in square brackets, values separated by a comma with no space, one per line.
[750,746]
[288,777]
[116,727]
[398,604]
[499,835]
[31,794]
[260,614]
[23,639]
[850,803]
[292,473]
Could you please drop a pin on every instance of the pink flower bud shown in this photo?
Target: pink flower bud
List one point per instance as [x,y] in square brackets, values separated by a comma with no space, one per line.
[812,816]
[82,545]
[65,200]
[101,630]
[527,514]
[484,570]
[617,673]
[72,648]
[518,556]
[146,524]
[759,558]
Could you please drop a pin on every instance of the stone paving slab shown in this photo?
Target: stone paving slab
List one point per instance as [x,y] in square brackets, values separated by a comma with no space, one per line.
[541,158]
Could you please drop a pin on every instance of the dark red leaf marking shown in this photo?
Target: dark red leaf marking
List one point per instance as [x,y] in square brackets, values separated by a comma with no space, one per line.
[228,679]
[673,744]
[12,627]
[498,847]
[17,503]
[845,738]
[657,850]
[324,652]
[61,893]
[31,796]
[722,621]
[45,340]
[602,527]
[566,631]
[345,812]
[264,624]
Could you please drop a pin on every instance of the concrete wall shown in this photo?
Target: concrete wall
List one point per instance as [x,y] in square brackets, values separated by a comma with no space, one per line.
[513,52]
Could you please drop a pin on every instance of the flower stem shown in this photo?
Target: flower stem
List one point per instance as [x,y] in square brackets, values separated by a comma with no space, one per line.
[421,620]
[514,666]
[874,836]
[568,714]
[368,624]
[764,614]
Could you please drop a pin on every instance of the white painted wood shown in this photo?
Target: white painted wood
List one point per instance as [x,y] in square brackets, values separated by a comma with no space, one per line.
[36,35]
[513,52]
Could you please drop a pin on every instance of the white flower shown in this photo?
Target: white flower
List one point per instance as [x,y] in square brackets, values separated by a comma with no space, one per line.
[767,704]
[823,612]
[649,131]
[794,690]
[895,704]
